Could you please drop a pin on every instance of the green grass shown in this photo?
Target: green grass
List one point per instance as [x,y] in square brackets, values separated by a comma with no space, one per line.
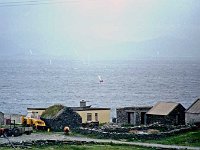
[191,138]
[85,147]
[187,139]
[52,111]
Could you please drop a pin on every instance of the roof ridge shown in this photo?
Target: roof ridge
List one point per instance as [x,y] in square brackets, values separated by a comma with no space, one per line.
[174,108]
[193,104]
[165,111]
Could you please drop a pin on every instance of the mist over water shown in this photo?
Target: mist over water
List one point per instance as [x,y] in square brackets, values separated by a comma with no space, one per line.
[43,82]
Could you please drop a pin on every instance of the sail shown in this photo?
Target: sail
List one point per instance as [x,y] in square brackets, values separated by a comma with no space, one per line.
[100,79]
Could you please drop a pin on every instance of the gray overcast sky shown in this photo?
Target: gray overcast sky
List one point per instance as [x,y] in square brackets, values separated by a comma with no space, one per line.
[101,28]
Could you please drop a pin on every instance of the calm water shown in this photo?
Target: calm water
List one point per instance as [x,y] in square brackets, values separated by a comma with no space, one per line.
[39,83]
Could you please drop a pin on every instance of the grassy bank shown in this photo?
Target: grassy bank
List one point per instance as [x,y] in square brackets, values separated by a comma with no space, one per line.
[191,138]
[85,147]
[185,139]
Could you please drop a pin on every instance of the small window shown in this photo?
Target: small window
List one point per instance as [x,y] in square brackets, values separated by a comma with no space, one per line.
[89,116]
[96,117]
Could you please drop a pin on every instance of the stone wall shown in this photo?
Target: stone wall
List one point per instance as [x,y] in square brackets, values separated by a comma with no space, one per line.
[1,118]
[39,143]
[123,115]
[126,135]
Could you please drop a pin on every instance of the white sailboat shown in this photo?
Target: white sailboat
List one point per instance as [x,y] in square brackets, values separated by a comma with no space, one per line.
[100,79]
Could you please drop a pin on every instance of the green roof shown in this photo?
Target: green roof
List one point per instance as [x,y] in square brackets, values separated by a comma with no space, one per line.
[52,111]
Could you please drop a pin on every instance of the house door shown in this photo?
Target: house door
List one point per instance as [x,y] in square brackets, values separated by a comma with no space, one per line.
[177,119]
[131,118]
[143,119]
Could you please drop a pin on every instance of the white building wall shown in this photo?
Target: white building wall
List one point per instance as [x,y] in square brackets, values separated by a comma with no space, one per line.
[192,118]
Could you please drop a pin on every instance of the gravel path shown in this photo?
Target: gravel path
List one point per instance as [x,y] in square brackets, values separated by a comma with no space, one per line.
[34,136]
[61,137]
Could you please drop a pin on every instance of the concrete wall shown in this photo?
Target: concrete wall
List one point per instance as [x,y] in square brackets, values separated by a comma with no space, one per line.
[103,115]
[192,118]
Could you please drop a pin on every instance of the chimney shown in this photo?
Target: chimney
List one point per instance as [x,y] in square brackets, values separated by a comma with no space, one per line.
[82,103]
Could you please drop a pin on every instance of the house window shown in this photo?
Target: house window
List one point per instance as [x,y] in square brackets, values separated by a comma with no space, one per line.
[89,116]
[96,117]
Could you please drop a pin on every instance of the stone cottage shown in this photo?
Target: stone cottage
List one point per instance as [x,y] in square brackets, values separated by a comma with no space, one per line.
[57,117]
[132,115]
[1,118]
[169,113]
[192,114]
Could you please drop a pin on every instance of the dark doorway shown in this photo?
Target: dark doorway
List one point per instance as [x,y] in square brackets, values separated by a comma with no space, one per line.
[178,119]
[131,118]
[143,117]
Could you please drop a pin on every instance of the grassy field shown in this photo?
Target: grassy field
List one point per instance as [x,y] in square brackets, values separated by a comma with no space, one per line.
[184,139]
[191,138]
[85,147]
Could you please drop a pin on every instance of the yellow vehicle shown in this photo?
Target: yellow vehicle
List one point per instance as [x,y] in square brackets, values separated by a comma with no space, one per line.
[33,121]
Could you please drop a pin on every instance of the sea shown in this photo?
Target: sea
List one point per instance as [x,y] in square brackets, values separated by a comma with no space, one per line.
[37,82]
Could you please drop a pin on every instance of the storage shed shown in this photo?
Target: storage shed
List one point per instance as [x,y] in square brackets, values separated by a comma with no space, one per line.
[192,114]
[168,113]
[132,115]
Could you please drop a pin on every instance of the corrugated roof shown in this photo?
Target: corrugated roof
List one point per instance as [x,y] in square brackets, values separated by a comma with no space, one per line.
[194,108]
[162,108]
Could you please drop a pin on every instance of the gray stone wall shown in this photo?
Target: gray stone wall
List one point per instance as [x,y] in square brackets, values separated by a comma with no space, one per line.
[123,115]
[123,134]
[192,118]
[1,118]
